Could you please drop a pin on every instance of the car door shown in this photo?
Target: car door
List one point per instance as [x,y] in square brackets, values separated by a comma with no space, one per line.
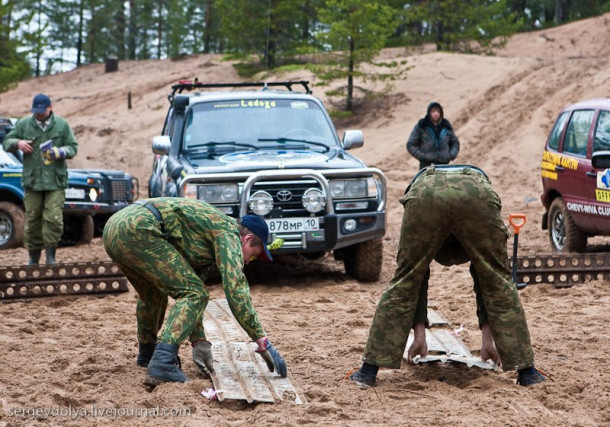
[577,178]
[601,187]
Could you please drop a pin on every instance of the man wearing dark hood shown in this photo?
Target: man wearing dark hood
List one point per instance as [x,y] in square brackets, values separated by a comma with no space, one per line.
[432,140]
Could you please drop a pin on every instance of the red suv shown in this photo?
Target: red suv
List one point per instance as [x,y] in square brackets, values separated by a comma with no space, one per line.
[575,176]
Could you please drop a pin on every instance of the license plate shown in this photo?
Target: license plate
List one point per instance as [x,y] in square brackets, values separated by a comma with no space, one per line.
[291,225]
[75,193]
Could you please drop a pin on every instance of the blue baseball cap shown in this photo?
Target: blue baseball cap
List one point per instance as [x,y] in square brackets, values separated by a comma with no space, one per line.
[40,103]
[258,226]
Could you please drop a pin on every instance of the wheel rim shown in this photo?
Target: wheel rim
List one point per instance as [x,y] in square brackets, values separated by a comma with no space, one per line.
[6,228]
[558,232]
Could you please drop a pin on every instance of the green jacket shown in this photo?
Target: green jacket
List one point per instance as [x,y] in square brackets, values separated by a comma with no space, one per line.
[36,175]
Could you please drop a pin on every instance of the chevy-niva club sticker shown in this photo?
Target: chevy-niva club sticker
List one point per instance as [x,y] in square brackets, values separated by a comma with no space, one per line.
[588,209]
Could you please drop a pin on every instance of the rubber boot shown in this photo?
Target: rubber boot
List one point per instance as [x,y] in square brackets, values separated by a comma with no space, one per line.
[145,353]
[34,257]
[50,251]
[163,367]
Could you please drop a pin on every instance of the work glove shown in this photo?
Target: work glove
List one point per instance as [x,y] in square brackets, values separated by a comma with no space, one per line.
[273,359]
[273,246]
[50,153]
[202,356]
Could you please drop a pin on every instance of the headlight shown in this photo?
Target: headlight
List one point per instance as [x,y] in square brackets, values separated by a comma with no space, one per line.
[92,194]
[212,193]
[261,203]
[351,188]
[218,193]
[313,200]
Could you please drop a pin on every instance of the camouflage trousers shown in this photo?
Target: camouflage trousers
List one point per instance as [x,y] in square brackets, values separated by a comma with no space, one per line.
[438,204]
[133,239]
[44,221]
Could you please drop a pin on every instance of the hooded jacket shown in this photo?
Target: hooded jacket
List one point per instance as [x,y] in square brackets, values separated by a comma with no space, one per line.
[433,144]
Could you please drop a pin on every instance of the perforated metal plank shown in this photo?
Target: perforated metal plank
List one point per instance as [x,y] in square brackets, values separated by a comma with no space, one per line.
[436,319]
[239,373]
[61,279]
[445,347]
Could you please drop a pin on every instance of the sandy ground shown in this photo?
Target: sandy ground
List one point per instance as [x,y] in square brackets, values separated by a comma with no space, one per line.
[79,353]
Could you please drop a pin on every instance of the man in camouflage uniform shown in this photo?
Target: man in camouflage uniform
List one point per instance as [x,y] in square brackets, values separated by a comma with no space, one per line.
[444,201]
[46,140]
[164,247]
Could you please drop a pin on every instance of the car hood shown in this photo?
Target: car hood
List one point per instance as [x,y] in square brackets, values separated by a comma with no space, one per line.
[275,159]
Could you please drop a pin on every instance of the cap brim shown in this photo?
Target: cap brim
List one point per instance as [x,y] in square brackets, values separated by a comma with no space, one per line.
[39,110]
[265,255]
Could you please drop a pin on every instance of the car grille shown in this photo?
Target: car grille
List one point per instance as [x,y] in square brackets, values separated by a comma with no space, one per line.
[287,195]
[122,190]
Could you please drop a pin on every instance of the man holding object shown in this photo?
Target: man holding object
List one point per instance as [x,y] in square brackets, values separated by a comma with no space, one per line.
[46,141]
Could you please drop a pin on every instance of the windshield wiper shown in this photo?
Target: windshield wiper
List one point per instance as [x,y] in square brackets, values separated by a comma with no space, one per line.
[214,144]
[283,140]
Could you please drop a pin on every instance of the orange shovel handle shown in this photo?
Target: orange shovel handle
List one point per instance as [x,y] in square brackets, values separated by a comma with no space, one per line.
[517,220]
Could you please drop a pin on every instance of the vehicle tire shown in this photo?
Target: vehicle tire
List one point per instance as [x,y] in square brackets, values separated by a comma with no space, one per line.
[563,233]
[77,229]
[12,225]
[364,261]
[87,229]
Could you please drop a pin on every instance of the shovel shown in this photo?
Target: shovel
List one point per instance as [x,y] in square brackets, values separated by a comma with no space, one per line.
[517,221]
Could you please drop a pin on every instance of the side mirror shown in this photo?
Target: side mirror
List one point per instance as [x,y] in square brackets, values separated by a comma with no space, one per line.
[601,160]
[161,144]
[353,139]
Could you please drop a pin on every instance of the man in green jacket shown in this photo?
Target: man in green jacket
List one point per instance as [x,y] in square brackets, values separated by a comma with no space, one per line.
[164,246]
[46,141]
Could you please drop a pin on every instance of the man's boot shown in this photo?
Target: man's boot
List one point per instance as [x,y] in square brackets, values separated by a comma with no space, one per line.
[163,367]
[34,257]
[145,353]
[50,251]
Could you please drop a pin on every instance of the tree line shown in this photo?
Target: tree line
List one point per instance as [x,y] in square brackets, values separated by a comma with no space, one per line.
[38,37]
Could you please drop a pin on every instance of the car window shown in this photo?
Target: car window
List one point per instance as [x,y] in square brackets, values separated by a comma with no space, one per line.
[251,120]
[577,133]
[557,129]
[602,132]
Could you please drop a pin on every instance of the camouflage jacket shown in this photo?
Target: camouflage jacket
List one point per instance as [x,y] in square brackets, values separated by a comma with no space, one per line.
[205,236]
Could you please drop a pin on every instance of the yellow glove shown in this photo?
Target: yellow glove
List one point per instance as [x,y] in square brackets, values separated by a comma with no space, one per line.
[274,246]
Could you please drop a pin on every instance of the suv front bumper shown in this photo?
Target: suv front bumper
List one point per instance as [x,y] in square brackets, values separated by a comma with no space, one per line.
[332,234]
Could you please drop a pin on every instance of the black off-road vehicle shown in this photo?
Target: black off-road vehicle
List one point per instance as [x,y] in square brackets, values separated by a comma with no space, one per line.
[274,153]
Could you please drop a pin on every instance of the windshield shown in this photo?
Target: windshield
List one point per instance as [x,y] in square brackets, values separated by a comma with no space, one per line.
[257,124]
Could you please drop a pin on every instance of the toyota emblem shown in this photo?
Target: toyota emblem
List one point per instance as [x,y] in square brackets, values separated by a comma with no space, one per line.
[284,195]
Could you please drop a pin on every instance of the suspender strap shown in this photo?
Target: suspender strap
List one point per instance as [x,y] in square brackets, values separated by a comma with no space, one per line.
[148,205]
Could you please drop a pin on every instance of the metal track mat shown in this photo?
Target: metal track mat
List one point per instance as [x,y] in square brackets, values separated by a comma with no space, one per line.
[563,270]
[444,346]
[61,279]
[239,372]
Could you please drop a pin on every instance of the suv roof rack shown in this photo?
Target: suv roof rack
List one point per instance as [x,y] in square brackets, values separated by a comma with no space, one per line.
[183,85]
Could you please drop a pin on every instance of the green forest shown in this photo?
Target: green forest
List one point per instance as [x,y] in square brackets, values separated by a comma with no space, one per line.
[43,37]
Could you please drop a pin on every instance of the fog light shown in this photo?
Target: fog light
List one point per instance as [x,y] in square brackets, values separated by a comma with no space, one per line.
[313,200]
[261,203]
[350,224]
